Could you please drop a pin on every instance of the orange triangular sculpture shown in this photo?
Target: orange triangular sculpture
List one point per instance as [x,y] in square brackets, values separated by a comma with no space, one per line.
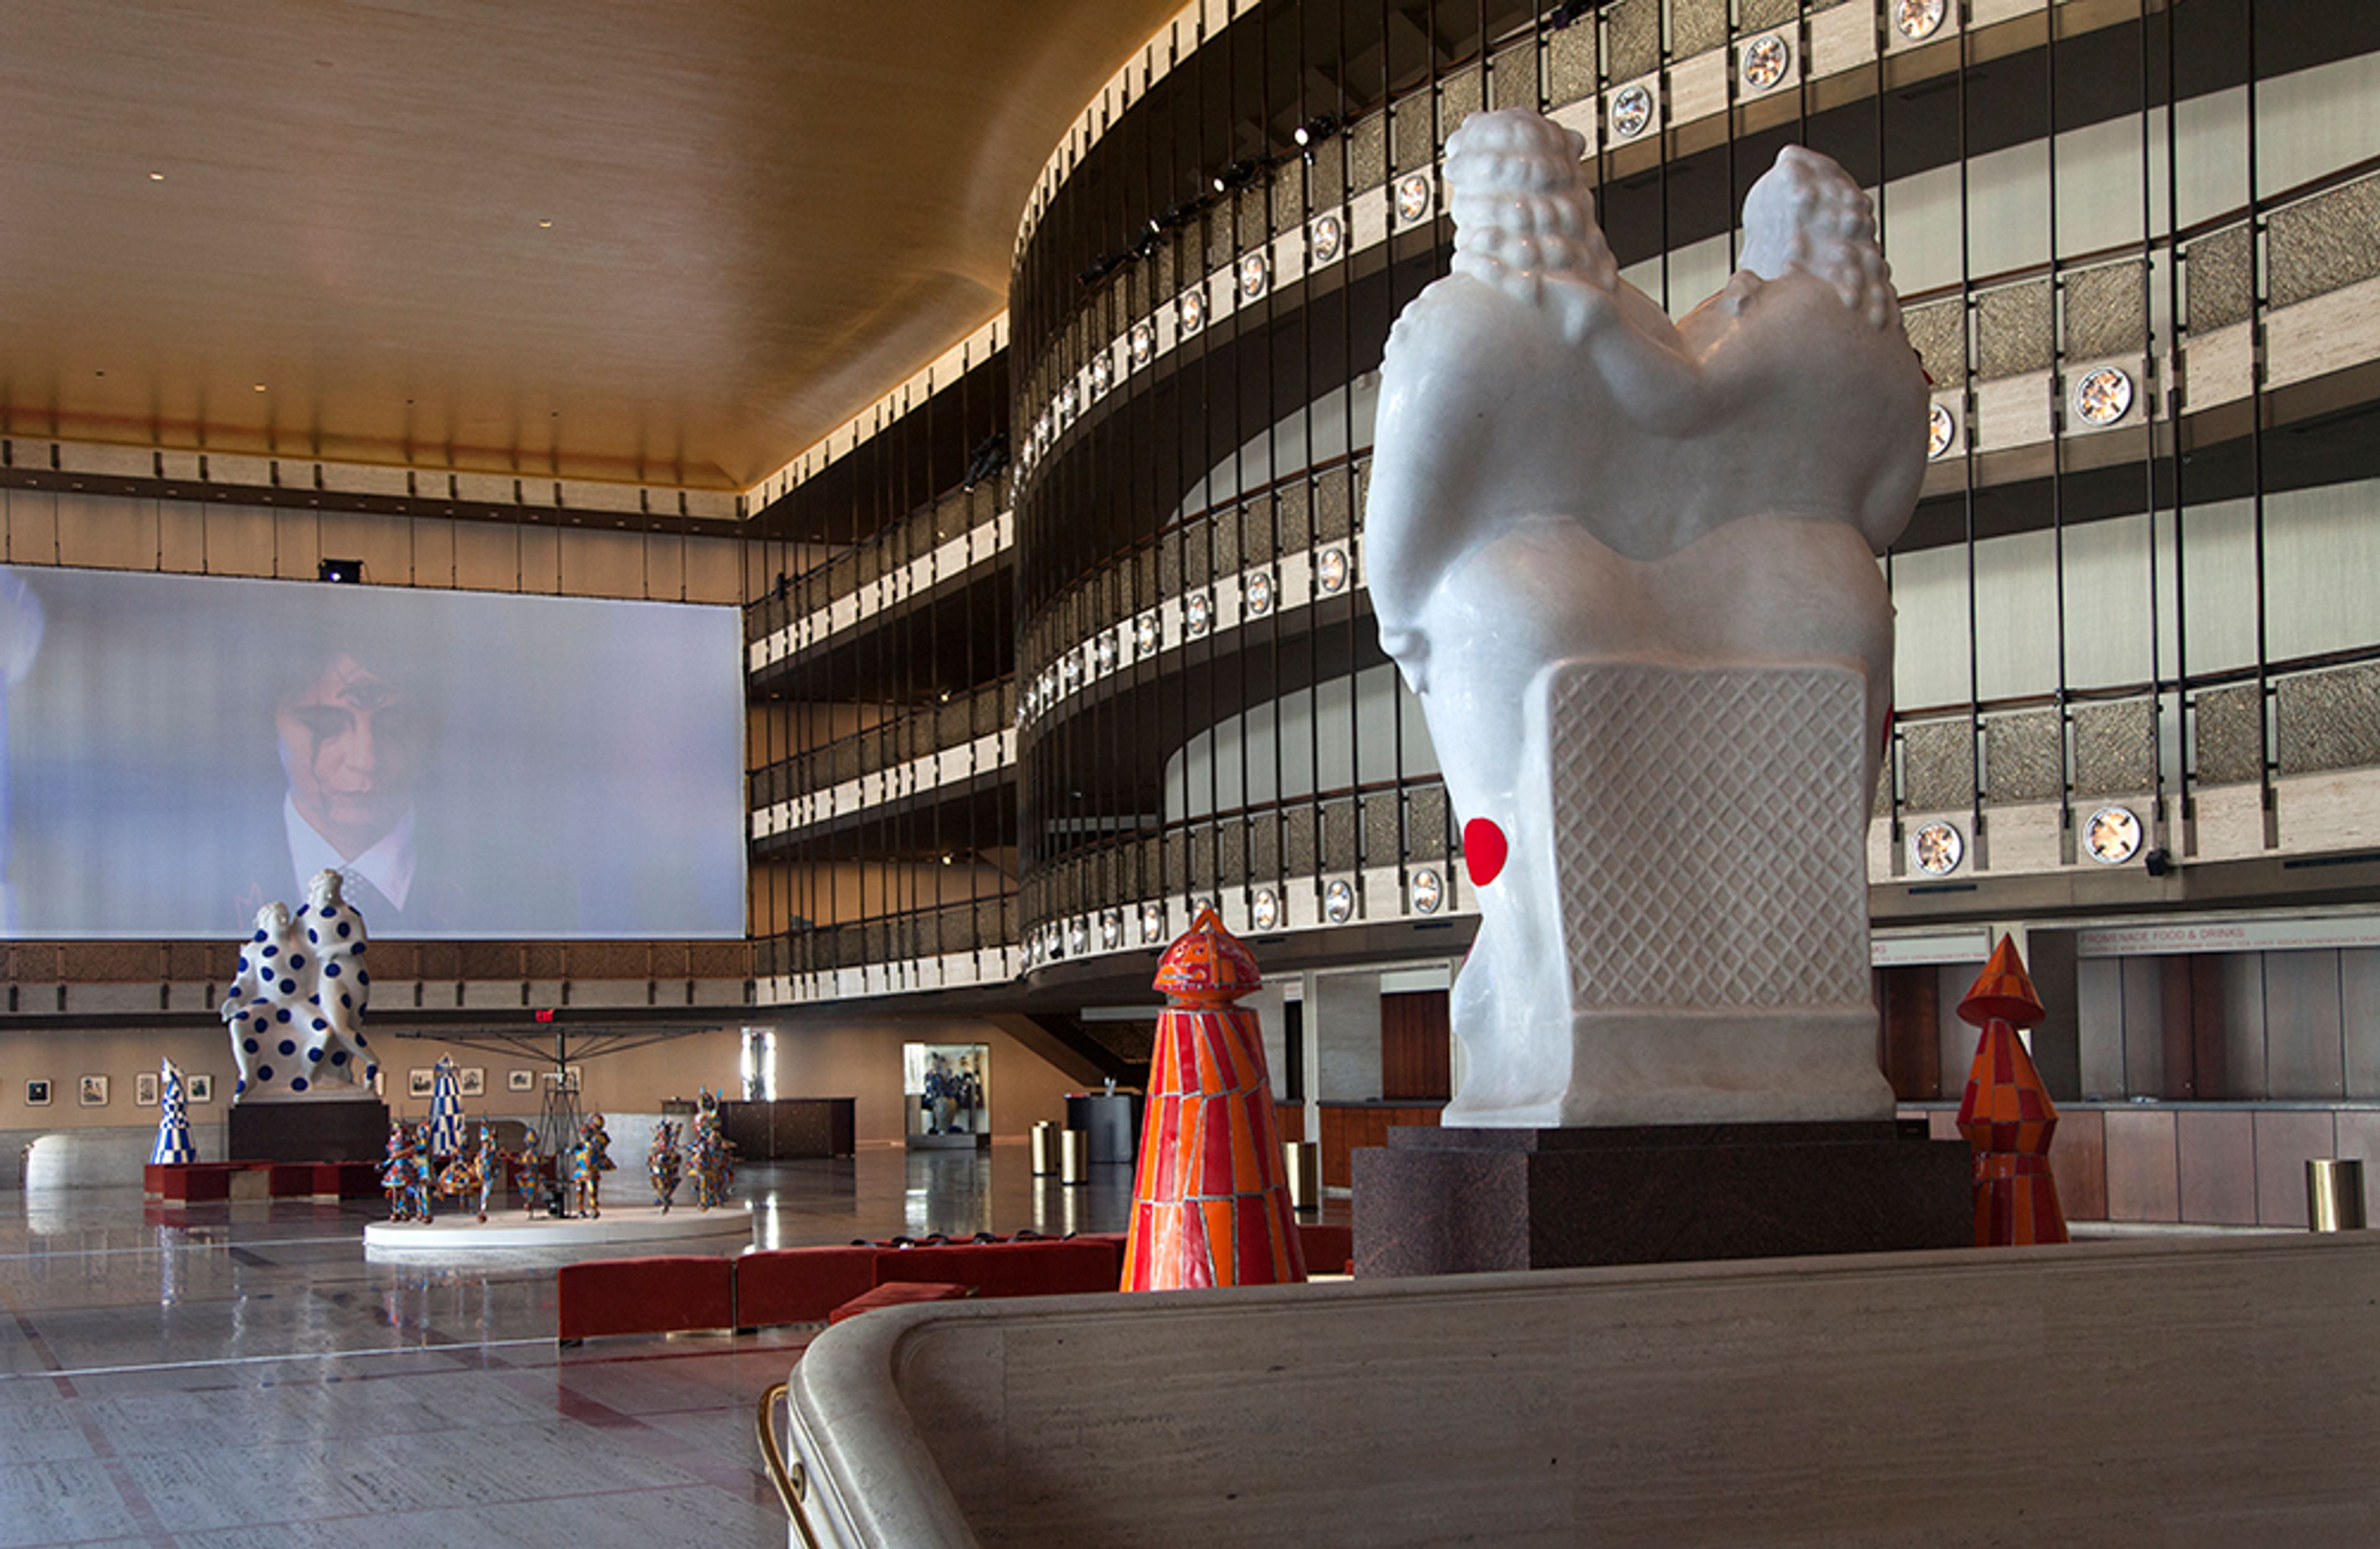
[1210,1199]
[2007,1115]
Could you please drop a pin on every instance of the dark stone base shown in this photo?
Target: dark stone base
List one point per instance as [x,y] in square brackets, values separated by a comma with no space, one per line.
[1452,1202]
[335,1130]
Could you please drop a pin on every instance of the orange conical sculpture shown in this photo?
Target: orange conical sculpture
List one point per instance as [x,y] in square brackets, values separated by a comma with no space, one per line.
[2007,1115]
[1210,1204]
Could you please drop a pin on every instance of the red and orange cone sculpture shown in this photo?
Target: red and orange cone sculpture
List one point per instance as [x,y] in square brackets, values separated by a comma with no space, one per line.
[1210,1204]
[2007,1115]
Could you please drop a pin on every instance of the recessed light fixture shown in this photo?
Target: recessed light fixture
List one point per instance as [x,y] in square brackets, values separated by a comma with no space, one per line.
[545,226]
[156,177]
[259,387]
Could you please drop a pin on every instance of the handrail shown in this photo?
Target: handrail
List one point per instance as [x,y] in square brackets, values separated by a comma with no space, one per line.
[791,1478]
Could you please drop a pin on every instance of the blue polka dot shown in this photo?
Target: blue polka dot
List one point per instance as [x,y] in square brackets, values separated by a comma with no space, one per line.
[329,912]
[260,935]
[330,970]
[362,1042]
[251,1045]
[340,1058]
[298,1084]
[243,962]
[238,1087]
[362,977]
[270,952]
[310,935]
[314,1055]
[315,999]
[320,1025]
[348,1003]
[288,987]
[297,960]
[264,1072]
[371,1070]
[288,1047]
[343,927]
[280,1015]
[261,1024]
[363,947]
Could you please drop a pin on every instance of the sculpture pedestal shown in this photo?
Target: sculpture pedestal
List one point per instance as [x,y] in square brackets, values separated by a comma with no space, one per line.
[1452,1202]
[325,1130]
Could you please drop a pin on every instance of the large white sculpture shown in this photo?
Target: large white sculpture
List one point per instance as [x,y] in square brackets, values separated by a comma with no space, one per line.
[1629,567]
[296,1012]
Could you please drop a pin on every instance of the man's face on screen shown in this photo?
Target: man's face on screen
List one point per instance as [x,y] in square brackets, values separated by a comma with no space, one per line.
[353,744]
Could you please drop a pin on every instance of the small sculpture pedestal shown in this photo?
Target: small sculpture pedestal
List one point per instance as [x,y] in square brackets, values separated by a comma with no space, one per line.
[1453,1202]
[319,1130]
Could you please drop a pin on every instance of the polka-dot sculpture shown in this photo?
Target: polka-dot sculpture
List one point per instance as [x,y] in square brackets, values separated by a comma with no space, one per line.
[296,1012]
[1211,1198]
[173,1118]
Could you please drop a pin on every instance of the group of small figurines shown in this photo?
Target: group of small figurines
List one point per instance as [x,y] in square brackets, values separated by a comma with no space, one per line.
[410,1175]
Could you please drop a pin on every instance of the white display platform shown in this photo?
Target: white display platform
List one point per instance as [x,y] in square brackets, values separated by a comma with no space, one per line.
[640,1225]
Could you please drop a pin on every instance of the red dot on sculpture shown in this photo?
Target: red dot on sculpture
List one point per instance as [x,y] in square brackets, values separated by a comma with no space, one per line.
[1483,851]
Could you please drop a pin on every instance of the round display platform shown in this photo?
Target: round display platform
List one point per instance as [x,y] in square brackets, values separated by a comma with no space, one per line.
[512,1229]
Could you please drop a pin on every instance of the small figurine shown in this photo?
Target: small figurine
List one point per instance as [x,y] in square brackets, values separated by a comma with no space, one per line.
[396,1173]
[529,1175]
[472,1172]
[710,1164]
[589,1160]
[490,1163]
[663,1164]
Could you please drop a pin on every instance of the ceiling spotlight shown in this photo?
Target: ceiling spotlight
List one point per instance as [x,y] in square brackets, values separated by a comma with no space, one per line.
[1314,130]
[259,387]
[545,226]
[156,177]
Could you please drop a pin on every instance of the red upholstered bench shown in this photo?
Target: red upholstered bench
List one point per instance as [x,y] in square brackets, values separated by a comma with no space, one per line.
[800,1285]
[188,1182]
[663,1293]
[345,1180]
[290,1180]
[898,1293]
[1043,1267]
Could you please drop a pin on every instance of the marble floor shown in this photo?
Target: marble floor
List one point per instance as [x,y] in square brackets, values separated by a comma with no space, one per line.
[239,1375]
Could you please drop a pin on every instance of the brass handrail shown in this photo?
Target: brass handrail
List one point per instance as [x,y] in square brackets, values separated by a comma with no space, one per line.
[792,1484]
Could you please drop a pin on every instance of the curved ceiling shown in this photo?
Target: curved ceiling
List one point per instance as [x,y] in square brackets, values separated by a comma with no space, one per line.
[666,243]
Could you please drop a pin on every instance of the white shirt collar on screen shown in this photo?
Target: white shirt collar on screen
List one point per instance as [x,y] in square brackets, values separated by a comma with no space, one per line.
[387,865]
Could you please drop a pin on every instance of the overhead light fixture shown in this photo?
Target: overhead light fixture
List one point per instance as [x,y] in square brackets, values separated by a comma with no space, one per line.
[1314,130]
[259,387]
[156,177]
[545,226]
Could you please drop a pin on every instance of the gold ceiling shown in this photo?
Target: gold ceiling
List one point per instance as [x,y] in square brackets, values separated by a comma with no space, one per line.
[672,243]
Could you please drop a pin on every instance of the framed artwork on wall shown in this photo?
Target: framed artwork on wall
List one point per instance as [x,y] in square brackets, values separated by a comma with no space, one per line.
[520,1080]
[419,1082]
[37,1093]
[144,1089]
[471,1080]
[94,1091]
[200,1089]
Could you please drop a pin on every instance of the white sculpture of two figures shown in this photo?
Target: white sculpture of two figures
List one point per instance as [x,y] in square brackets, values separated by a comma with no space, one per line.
[296,1012]
[1629,569]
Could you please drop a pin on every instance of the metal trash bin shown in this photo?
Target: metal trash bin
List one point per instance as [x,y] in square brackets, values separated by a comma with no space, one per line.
[1074,1156]
[2334,1194]
[1302,1162]
[1043,1147]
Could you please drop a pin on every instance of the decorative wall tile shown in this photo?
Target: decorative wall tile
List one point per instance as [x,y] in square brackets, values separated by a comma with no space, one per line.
[2113,746]
[1325,174]
[1334,519]
[1368,151]
[2228,728]
[1759,16]
[1425,822]
[1338,836]
[1570,64]
[2325,243]
[1938,329]
[1298,841]
[2107,311]
[1938,761]
[1696,26]
[2021,758]
[2221,286]
[1460,95]
[1294,518]
[2012,329]
[1633,35]
[1381,842]
[1513,79]
[2330,721]
[1413,131]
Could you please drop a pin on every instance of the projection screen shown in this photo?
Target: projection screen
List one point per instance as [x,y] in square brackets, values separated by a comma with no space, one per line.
[179,751]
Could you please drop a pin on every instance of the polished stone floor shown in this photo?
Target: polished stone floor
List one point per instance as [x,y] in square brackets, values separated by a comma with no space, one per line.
[240,1375]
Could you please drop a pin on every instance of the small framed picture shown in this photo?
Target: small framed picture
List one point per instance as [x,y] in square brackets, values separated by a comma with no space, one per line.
[199,1089]
[94,1091]
[37,1093]
[520,1080]
[471,1080]
[144,1089]
[419,1082]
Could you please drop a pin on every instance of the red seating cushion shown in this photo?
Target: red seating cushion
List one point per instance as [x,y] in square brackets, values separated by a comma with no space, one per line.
[896,1293]
[1032,1269]
[800,1285]
[660,1294]
[1329,1250]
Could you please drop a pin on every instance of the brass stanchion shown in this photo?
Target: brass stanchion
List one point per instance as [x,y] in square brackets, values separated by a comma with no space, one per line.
[1042,1147]
[1074,1156]
[2334,1194]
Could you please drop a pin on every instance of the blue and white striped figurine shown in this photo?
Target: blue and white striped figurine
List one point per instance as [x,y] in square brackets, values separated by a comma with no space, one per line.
[173,1118]
[445,1109]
